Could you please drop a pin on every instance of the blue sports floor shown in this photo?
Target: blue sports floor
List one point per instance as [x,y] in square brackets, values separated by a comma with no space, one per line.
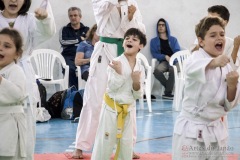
[154,131]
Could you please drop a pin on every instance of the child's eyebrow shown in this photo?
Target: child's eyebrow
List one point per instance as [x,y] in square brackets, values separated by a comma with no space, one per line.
[212,32]
[132,35]
[7,43]
[215,32]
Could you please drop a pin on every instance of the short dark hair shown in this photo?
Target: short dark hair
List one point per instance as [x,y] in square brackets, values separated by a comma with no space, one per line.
[138,33]
[221,10]
[16,37]
[23,10]
[75,8]
[91,32]
[204,25]
[163,20]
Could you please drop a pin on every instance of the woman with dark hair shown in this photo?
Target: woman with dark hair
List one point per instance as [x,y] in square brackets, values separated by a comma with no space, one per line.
[35,29]
[84,51]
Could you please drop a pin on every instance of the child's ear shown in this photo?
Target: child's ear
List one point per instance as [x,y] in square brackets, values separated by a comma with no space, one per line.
[225,22]
[16,58]
[18,55]
[200,42]
[141,46]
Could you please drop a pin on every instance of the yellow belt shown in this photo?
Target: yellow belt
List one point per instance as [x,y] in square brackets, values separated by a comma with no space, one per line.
[122,110]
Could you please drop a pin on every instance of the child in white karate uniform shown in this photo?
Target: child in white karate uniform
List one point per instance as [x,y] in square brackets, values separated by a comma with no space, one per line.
[124,86]
[35,29]
[12,94]
[113,18]
[211,91]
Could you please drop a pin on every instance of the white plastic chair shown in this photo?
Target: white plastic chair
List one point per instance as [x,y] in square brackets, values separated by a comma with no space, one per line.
[154,61]
[44,61]
[147,82]
[81,82]
[179,76]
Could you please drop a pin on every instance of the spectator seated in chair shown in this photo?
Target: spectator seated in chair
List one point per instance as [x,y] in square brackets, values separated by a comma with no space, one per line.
[163,46]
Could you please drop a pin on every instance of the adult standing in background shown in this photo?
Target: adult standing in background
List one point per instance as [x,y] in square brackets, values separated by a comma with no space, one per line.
[35,29]
[163,46]
[70,36]
[114,18]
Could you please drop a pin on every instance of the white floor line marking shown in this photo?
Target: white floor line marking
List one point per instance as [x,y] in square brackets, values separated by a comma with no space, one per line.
[140,117]
[71,147]
[163,100]
[69,150]
[149,115]
[157,113]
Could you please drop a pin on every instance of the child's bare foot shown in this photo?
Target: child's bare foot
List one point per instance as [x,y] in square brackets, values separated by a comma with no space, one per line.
[77,154]
[135,156]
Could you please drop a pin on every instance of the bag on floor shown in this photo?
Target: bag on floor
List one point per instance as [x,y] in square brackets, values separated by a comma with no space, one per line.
[78,103]
[42,115]
[55,104]
[72,103]
[43,95]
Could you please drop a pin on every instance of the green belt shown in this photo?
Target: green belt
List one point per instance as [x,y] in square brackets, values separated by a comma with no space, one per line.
[117,41]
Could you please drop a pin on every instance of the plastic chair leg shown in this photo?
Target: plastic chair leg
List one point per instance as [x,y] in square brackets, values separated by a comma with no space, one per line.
[141,103]
[149,103]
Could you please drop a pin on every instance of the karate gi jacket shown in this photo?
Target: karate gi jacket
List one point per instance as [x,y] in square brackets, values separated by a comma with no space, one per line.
[205,100]
[12,118]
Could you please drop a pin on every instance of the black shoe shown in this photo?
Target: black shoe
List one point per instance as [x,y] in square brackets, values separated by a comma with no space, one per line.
[167,96]
[152,96]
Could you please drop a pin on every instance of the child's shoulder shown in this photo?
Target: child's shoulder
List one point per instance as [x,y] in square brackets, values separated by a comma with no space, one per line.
[199,53]
[27,16]
[12,69]
[15,68]
[196,56]
[119,58]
